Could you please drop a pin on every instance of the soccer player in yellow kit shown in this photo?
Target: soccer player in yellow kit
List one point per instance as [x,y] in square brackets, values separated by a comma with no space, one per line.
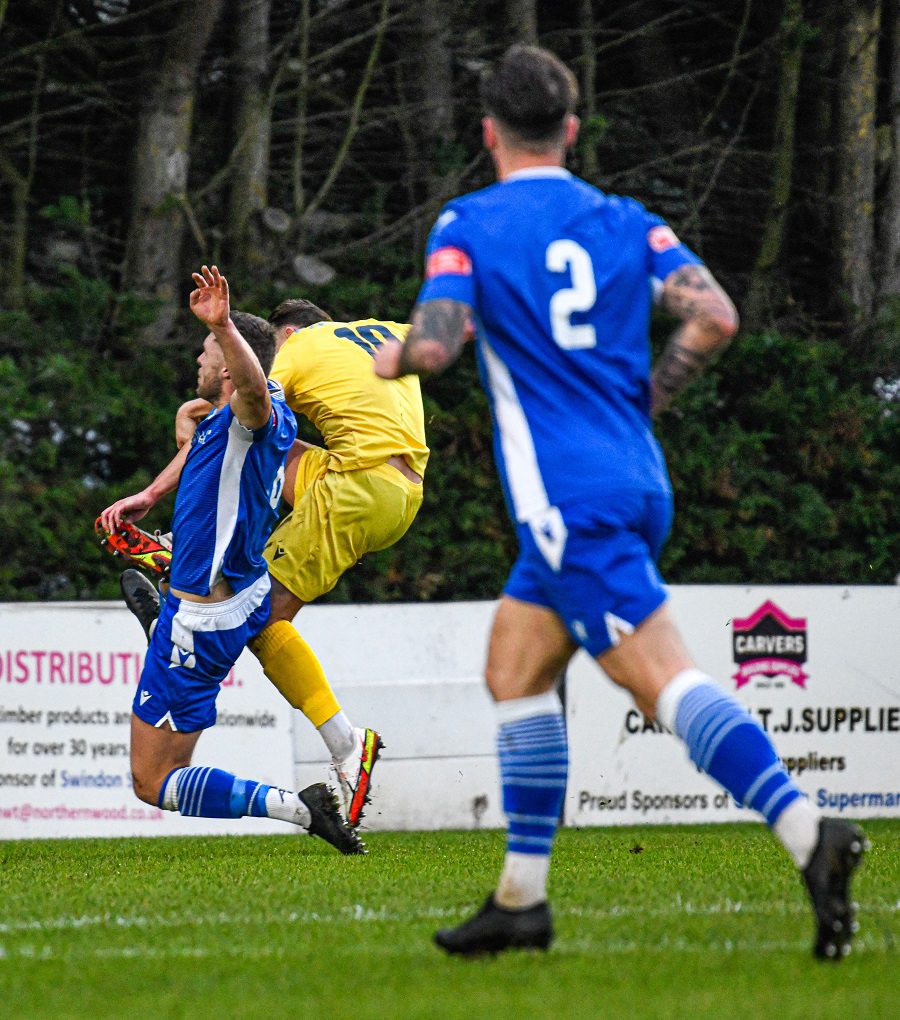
[358,494]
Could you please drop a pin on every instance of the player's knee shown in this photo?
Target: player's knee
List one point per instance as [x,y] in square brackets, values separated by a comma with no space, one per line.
[503,683]
[146,787]
[492,677]
[283,604]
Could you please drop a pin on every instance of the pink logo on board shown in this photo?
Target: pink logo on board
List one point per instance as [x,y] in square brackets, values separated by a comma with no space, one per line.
[769,644]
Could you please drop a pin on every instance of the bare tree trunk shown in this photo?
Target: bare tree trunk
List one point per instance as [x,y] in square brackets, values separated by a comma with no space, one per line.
[12,260]
[253,131]
[823,67]
[12,254]
[588,149]
[793,41]
[655,58]
[521,16]
[435,122]
[298,191]
[855,197]
[355,115]
[161,163]
[889,221]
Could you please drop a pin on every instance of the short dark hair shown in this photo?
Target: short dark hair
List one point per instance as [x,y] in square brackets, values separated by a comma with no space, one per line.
[298,312]
[259,334]
[531,92]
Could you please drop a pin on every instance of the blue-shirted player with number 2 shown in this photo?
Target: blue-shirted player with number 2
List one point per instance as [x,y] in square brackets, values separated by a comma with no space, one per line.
[229,480]
[558,280]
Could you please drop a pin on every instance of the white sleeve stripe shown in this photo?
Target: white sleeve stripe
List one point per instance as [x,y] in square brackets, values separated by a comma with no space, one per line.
[523,473]
[229,500]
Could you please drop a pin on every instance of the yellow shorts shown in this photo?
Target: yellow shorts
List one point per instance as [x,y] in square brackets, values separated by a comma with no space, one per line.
[338,517]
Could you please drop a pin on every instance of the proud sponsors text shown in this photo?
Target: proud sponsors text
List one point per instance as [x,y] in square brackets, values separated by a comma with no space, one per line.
[60,812]
[643,802]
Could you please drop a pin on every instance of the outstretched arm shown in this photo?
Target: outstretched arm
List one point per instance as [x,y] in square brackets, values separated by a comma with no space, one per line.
[439,330]
[133,508]
[709,321]
[251,403]
[188,417]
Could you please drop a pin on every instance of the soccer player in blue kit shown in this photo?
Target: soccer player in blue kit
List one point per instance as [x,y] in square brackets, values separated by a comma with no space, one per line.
[558,280]
[229,480]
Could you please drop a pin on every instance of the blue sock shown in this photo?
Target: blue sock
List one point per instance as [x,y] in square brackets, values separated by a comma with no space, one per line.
[534,765]
[728,744]
[211,793]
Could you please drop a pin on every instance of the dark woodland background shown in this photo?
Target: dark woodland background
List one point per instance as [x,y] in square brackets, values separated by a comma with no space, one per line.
[305,146]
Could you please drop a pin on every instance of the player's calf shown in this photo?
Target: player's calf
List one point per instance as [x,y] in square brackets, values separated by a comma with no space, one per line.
[731,747]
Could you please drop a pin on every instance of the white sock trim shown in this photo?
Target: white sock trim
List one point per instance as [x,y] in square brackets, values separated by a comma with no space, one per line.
[518,709]
[523,883]
[169,799]
[339,736]
[287,807]
[798,829]
[670,697]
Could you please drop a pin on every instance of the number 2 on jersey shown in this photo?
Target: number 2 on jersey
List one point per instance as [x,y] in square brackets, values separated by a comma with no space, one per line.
[580,297]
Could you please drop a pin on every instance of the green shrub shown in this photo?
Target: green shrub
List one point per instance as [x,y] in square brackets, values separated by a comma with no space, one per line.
[784,460]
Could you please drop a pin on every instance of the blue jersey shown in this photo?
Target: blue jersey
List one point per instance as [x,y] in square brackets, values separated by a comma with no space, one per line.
[227,496]
[561,279]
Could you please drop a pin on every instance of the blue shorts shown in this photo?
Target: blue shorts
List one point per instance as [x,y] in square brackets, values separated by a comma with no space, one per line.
[595,566]
[193,647]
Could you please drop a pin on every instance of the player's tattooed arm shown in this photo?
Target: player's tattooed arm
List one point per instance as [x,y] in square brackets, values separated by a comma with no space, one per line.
[439,330]
[709,321]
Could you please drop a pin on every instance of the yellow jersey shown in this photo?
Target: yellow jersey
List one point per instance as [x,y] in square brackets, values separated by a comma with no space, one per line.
[328,376]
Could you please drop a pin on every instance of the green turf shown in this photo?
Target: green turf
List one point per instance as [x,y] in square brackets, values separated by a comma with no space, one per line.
[693,922]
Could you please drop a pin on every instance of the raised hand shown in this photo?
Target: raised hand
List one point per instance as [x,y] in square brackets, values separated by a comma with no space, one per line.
[209,302]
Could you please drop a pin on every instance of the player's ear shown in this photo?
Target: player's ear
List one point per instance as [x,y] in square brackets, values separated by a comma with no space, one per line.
[489,133]
[572,126]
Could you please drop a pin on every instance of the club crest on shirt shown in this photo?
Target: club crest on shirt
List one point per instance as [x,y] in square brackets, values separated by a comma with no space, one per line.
[769,644]
[662,238]
[448,262]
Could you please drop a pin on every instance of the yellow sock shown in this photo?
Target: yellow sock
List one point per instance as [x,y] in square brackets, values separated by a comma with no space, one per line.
[293,668]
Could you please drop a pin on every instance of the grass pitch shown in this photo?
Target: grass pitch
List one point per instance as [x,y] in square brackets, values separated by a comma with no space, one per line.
[693,922]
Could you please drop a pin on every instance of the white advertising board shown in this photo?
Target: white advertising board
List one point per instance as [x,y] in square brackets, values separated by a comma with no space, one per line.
[68,672]
[819,667]
[414,673]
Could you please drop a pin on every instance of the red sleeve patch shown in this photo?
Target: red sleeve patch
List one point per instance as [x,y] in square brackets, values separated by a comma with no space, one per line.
[448,261]
[662,238]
